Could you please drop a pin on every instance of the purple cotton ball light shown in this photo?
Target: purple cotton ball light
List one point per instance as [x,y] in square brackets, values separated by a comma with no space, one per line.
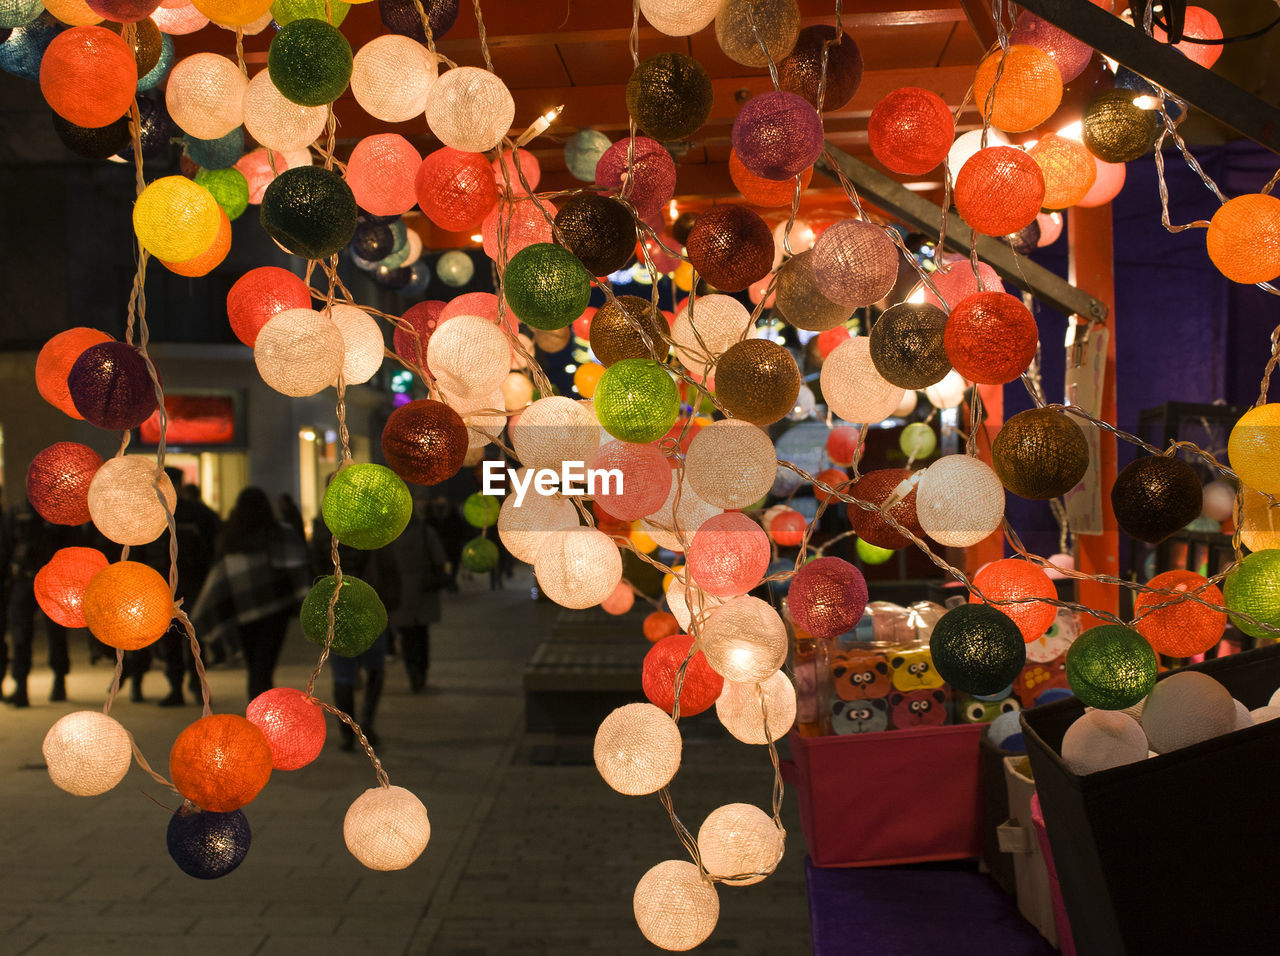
[653,174]
[777,135]
[827,596]
[854,263]
[1069,54]
[110,387]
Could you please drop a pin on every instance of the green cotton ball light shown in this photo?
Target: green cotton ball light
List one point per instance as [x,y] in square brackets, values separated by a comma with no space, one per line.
[310,62]
[636,401]
[367,506]
[1253,588]
[481,511]
[479,555]
[228,187]
[918,441]
[285,12]
[359,615]
[1111,667]
[546,286]
[869,553]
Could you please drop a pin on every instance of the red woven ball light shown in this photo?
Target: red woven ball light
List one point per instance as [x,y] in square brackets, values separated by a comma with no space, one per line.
[729,555]
[835,477]
[765,192]
[658,625]
[842,444]
[1068,168]
[1199,24]
[875,487]
[990,338]
[292,723]
[646,479]
[54,362]
[1184,628]
[731,247]
[911,130]
[827,596]
[382,174]
[58,482]
[261,294]
[999,190]
[455,189]
[59,585]
[424,318]
[424,442]
[1013,578]
[652,174]
[787,529]
[701,684]
[831,339]
[220,762]
[88,75]
[1028,92]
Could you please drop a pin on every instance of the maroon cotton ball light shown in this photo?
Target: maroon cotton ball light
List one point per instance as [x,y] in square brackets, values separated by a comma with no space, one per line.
[110,386]
[58,482]
[731,247]
[424,442]
[999,190]
[800,72]
[827,596]
[777,135]
[653,174]
[876,487]
[423,318]
[911,130]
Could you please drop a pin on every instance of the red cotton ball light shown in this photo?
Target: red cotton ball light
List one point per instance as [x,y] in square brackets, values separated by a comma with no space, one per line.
[787,529]
[777,135]
[54,362]
[652,174]
[877,487]
[765,192]
[423,319]
[827,596]
[59,585]
[1198,24]
[701,684]
[731,247]
[729,555]
[261,294]
[292,723]
[1185,628]
[911,130]
[425,442]
[658,625]
[88,76]
[1012,579]
[455,189]
[842,445]
[220,762]
[58,482]
[835,477]
[382,173]
[831,339]
[111,387]
[999,190]
[645,483]
[990,337]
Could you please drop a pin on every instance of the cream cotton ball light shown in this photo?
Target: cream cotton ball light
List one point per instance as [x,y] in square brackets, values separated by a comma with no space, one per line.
[386,828]
[392,76]
[738,708]
[578,567]
[276,122]
[524,529]
[745,640]
[469,355]
[470,109]
[637,749]
[1102,739]
[362,344]
[299,352]
[731,463]
[679,18]
[737,840]
[675,908]
[703,331]
[1185,709]
[205,95]
[553,430]
[959,501]
[852,387]
[678,600]
[87,753]
[123,502]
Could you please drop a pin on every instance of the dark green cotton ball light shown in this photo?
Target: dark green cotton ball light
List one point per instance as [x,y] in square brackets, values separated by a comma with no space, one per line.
[479,555]
[358,617]
[1111,667]
[310,211]
[546,286]
[310,62]
[669,96]
[93,143]
[228,187]
[367,506]
[977,649]
[906,345]
[480,510]
[636,401]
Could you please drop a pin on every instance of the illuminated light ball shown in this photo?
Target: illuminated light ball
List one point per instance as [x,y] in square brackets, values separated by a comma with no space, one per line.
[777,135]
[524,223]
[1185,709]
[948,393]
[619,330]
[854,263]
[309,211]
[805,404]
[918,440]
[760,191]
[1117,130]
[729,555]
[738,839]
[731,247]
[701,685]
[1185,628]
[877,487]
[284,12]
[392,76]
[546,286]
[738,708]
[509,167]
[310,62]
[757,380]
[586,378]
[87,753]
[233,13]
[657,626]
[483,304]
[1028,92]
[582,151]
[817,53]
[678,598]
[855,391]
[706,327]
[645,482]
[910,400]
[679,18]
[1103,739]
[1106,186]
[669,96]
[1219,501]
[651,175]
[261,294]
[637,749]
[362,343]
[620,601]
[835,477]
[955,280]
[1051,223]
[292,723]
[553,430]
[999,191]
[967,144]
[1198,24]
[381,174]
[959,501]
[205,95]
[1254,448]
[976,649]
[470,109]
[869,553]
[800,239]
[842,445]
[578,567]
[229,189]
[214,256]
[455,268]
[179,20]
[827,596]
[424,442]
[299,352]
[1040,454]
[911,130]
[469,355]
[1154,496]
[675,907]
[455,189]
[367,506]
[127,605]
[220,762]
[1252,588]
[731,463]
[386,828]
[110,386]
[682,277]
[673,526]
[480,510]
[1014,579]
[175,219]
[88,76]
[906,345]
[59,585]
[599,230]
[1111,667]
[990,337]
[359,615]
[100,143]
[525,527]
[207,845]
[743,25]
[1069,55]
[1259,522]
[517,391]
[74,13]
[479,555]
[1244,238]
[123,502]
[256,167]
[744,639]
[1068,169]
[55,361]
[276,122]
[787,529]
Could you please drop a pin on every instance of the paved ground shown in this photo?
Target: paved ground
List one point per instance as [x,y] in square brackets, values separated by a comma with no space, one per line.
[523,859]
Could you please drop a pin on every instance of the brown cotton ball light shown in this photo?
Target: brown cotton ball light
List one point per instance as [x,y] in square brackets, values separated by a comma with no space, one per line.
[669,96]
[757,381]
[800,301]
[1040,453]
[598,230]
[744,28]
[907,345]
[616,331]
[801,71]
[877,488]
[1115,129]
[731,247]
[1154,496]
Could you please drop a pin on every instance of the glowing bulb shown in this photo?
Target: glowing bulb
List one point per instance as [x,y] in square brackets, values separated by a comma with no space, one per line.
[540,125]
[671,211]
[307,435]
[1146,102]
[1070,131]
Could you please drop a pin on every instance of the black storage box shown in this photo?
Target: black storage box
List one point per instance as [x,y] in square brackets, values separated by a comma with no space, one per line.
[1177,853]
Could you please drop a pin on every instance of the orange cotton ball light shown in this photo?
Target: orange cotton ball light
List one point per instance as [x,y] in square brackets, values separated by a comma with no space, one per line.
[660,624]
[88,76]
[59,586]
[54,362]
[701,684]
[1184,628]
[990,337]
[292,723]
[221,762]
[1244,238]
[1028,92]
[1068,168]
[911,130]
[127,605]
[1012,579]
[765,192]
[211,258]
[455,189]
[1000,190]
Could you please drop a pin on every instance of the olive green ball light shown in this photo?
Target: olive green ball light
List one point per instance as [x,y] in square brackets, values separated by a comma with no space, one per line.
[1117,130]
[367,506]
[1254,589]
[359,615]
[310,62]
[977,649]
[1111,667]
[669,96]
[479,555]
[481,510]
[636,401]
[546,286]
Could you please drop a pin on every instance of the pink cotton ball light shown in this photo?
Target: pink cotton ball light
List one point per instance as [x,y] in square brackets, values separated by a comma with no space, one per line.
[854,263]
[455,189]
[653,174]
[255,166]
[1106,185]
[842,445]
[515,165]
[729,555]
[1069,55]
[621,601]
[424,318]
[261,294]
[827,596]
[525,222]
[483,304]
[777,135]
[645,484]
[381,174]
[293,724]
[955,281]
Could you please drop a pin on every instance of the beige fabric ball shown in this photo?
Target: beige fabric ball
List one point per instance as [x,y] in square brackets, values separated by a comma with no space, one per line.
[469,356]
[738,708]
[738,839]
[675,908]
[205,95]
[731,464]
[123,502]
[637,749]
[706,330]
[1102,739]
[959,501]
[679,18]
[480,413]
[87,753]
[362,343]
[1186,708]
[524,529]
[578,567]
[299,352]
[278,123]
[678,602]
[1260,715]
[1243,717]
[392,76]
[745,640]
[852,387]
[470,109]
[554,430]
[386,828]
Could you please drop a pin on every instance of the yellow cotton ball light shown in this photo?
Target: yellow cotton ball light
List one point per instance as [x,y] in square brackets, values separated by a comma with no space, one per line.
[123,503]
[738,840]
[469,355]
[87,753]
[470,109]
[675,908]
[553,430]
[276,122]
[1254,448]
[362,343]
[637,749]
[959,501]
[744,640]
[731,463]
[1259,521]
[176,220]
[523,529]
[205,95]
[299,352]
[855,391]
[392,76]
[578,567]
[386,828]
[738,708]
[234,13]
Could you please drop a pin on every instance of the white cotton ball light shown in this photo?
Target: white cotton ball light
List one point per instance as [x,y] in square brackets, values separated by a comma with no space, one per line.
[679,18]
[469,356]
[1186,708]
[1260,715]
[299,352]
[276,122]
[554,430]
[87,753]
[1218,501]
[854,390]
[948,393]
[676,909]
[123,502]
[386,828]
[674,524]
[731,463]
[705,330]
[967,144]
[637,749]
[678,599]
[205,95]
[1102,739]
[910,398]
[737,840]
[806,402]
[470,109]
[744,640]
[517,391]
[738,708]
[578,567]
[524,529]
[362,343]
[392,76]
[959,501]
[1243,717]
